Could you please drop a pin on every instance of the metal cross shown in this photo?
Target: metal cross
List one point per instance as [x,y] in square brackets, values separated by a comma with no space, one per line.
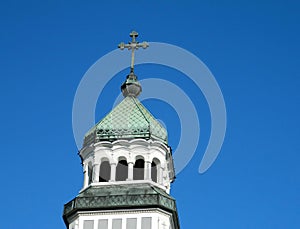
[133,45]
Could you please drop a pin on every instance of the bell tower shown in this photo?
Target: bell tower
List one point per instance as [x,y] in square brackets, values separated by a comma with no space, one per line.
[127,166]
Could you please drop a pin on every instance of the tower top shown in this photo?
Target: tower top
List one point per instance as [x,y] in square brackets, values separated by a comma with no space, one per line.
[129,119]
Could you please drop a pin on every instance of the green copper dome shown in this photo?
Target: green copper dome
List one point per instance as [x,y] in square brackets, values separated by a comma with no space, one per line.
[128,120]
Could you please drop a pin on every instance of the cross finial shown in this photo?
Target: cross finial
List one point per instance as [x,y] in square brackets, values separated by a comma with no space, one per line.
[133,45]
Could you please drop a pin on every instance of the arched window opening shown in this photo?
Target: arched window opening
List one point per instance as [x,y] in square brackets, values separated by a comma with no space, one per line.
[138,169]
[154,171]
[122,170]
[90,173]
[104,175]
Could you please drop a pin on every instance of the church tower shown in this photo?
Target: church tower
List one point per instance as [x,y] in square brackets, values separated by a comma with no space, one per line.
[127,166]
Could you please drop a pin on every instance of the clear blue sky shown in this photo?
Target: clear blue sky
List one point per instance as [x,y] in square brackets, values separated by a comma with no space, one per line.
[252,48]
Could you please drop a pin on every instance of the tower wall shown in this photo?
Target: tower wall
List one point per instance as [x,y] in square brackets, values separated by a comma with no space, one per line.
[123,219]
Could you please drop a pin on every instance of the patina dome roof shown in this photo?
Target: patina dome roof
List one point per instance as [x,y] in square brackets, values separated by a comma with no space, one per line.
[128,120]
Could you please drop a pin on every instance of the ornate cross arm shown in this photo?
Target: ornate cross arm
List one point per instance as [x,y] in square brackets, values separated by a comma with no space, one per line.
[133,45]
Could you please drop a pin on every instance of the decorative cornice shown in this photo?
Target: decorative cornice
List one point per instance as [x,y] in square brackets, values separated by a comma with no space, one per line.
[120,197]
[122,212]
[125,144]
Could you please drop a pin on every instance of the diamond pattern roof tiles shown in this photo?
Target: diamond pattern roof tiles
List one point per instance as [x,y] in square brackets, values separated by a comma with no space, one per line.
[129,119]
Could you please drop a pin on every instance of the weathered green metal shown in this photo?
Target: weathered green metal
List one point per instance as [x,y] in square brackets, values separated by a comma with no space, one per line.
[128,120]
[129,196]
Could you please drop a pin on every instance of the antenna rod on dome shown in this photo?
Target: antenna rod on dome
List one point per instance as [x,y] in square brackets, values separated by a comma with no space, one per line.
[133,45]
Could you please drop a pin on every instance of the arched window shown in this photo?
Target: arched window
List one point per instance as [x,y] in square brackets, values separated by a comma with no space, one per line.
[90,173]
[138,169]
[154,169]
[122,170]
[104,174]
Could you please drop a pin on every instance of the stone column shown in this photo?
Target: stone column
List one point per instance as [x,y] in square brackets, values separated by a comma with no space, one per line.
[130,171]
[96,171]
[85,176]
[147,174]
[113,167]
[159,174]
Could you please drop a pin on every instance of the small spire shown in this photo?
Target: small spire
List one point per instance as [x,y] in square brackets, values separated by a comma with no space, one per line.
[132,87]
